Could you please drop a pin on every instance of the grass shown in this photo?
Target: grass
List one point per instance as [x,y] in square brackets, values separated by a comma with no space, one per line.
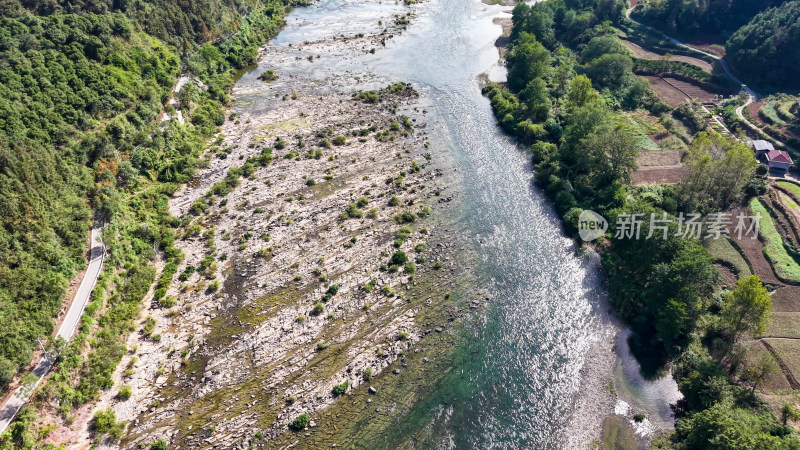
[792,187]
[722,250]
[287,125]
[789,351]
[784,324]
[785,267]
[775,381]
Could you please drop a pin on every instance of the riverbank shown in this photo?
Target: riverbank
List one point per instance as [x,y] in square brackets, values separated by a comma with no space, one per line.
[305,253]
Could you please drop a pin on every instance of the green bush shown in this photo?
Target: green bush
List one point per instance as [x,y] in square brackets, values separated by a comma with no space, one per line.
[340,389]
[104,420]
[399,258]
[301,422]
[125,392]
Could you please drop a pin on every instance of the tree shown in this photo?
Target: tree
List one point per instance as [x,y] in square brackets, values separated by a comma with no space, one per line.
[719,169]
[7,371]
[611,70]
[536,100]
[746,309]
[603,45]
[612,153]
[580,92]
[789,412]
[527,60]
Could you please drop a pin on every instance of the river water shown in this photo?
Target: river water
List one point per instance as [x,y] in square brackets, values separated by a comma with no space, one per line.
[520,373]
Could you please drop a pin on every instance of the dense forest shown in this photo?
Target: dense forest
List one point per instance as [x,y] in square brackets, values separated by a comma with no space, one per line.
[82,86]
[761,35]
[766,49]
[701,16]
[568,92]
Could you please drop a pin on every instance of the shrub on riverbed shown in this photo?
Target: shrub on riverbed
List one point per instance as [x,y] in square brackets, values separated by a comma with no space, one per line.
[268,75]
[398,259]
[301,422]
[340,389]
[124,393]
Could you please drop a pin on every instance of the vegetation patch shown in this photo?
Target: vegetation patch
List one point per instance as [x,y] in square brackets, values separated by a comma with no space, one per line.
[785,266]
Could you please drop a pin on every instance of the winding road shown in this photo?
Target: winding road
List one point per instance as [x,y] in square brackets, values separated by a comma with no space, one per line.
[67,329]
[752,96]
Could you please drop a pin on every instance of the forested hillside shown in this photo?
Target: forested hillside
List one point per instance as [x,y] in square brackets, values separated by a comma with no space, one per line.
[761,35]
[766,49]
[82,85]
[706,16]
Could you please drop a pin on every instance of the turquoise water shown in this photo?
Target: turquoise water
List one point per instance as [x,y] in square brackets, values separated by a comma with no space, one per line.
[514,382]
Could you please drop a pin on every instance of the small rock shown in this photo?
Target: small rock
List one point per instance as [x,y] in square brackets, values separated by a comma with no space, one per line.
[396,371]
[372,390]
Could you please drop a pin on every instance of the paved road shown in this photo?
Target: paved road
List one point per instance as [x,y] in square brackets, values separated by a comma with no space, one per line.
[752,96]
[71,320]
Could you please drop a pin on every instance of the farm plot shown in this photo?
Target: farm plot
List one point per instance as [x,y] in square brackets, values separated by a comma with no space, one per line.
[791,187]
[775,381]
[784,265]
[786,299]
[643,53]
[788,352]
[671,95]
[674,91]
[784,324]
[754,252]
[723,252]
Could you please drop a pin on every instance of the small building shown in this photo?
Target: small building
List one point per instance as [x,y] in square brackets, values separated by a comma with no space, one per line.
[761,148]
[777,160]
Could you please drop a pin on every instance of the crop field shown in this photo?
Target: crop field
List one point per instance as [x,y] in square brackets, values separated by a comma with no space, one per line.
[644,53]
[784,265]
[792,187]
[674,91]
[722,250]
[784,324]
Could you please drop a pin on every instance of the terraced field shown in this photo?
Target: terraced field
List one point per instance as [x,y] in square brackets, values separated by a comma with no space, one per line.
[784,265]
[724,252]
[644,53]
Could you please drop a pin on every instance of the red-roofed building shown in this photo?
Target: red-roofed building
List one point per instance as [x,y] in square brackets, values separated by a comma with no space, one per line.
[778,160]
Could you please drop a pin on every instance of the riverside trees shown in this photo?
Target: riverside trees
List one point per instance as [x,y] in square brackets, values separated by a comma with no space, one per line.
[664,288]
[81,89]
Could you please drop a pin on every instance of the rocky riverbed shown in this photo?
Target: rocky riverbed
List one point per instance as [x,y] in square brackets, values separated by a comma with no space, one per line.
[305,272]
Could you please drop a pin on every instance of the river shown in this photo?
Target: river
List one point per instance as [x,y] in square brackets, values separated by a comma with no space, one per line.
[521,374]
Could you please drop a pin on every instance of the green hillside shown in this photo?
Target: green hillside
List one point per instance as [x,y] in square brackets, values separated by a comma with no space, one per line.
[765,50]
[82,85]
